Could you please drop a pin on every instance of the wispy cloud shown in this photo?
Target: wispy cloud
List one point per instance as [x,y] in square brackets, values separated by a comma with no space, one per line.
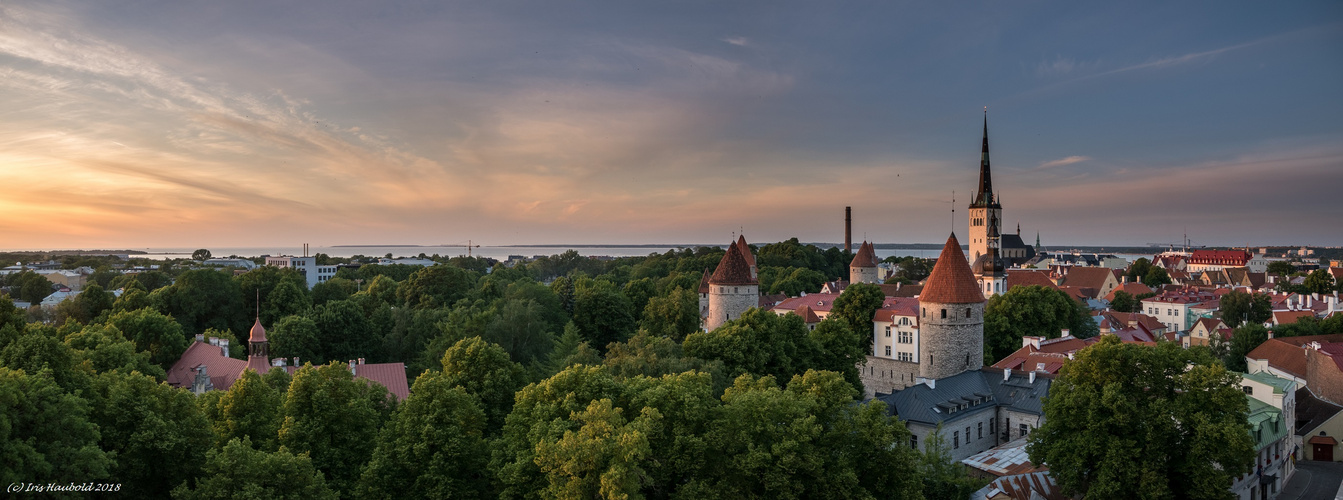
[1061,162]
[1060,66]
[739,41]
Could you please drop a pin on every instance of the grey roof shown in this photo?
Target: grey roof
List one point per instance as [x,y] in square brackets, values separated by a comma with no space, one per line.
[931,406]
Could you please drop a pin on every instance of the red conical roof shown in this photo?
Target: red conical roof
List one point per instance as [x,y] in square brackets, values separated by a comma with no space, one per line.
[258,332]
[866,256]
[951,281]
[745,250]
[733,269]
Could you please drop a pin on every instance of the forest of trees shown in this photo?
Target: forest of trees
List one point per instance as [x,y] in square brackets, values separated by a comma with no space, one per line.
[563,377]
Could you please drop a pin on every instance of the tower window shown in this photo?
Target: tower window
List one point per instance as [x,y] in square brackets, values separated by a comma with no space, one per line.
[967,312]
[944,314]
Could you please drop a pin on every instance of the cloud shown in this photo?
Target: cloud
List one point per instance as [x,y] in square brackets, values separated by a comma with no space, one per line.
[1060,66]
[739,41]
[1062,161]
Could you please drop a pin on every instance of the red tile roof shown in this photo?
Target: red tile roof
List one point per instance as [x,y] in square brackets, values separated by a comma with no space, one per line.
[1021,277]
[951,281]
[866,256]
[1289,317]
[1088,277]
[815,301]
[1325,440]
[733,269]
[1234,258]
[902,290]
[895,307]
[745,250]
[222,370]
[704,282]
[808,316]
[1134,289]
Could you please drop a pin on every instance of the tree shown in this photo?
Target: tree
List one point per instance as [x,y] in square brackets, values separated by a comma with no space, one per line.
[1156,277]
[674,315]
[297,337]
[837,350]
[239,471]
[31,287]
[856,307]
[1132,421]
[103,348]
[602,458]
[484,371]
[250,410]
[282,292]
[639,292]
[155,431]
[520,327]
[654,356]
[45,434]
[602,314]
[346,333]
[201,254]
[154,333]
[1139,269]
[943,477]
[434,447]
[1244,340]
[1239,307]
[570,349]
[436,286]
[332,290]
[39,349]
[1281,268]
[335,420]
[1030,310]
[201,299]
[1124,302]
[86,306]
[1319,281]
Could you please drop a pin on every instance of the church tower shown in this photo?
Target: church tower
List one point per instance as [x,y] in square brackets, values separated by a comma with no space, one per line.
[258,350]
[951,317]
[990,269]
[733,287]
[984,207]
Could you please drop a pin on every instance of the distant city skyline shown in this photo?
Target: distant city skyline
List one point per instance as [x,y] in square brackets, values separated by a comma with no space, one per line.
[244,125]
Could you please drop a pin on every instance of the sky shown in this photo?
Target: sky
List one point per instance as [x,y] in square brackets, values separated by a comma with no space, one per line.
[135,124]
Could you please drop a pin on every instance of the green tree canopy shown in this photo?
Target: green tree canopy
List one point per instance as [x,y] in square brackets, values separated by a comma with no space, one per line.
[1030,310]
[436,286]
[345,332]
[1125,302]
[201,299]
[103,348]
[856,308]
[154,333]
[1155,277]
[155,431]
[1132,421]
[1281,268]
[674,315]
[485,371]
[250,409]
[1239,307]
[334,419]
[1319,281]
[434,446]
[1243,340]
[240,472]
[201,254]
[602,313]
[297,336]
[45,433]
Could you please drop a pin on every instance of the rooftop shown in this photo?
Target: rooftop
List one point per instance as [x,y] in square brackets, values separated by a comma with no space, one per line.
[951,281]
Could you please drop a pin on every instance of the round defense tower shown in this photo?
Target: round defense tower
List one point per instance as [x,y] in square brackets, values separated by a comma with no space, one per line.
[951,317]
[733,289]
[863,268]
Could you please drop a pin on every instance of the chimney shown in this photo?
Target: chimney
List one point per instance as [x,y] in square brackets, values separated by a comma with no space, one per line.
[352,371]
[223,346]
[1028,341]
[296,361]
[361,361]
[200,337]
[1032,376]
[277,362]
[1007,374]
[1065,332]
[932,383]
[214,340]
[1123,280]
[1310,300]
[848,229]
[1139,278]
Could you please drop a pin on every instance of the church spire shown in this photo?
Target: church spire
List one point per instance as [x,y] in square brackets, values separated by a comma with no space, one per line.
[984,195]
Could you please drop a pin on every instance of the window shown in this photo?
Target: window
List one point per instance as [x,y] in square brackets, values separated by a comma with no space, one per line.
[904,338]
[967,312]
[904,356]
[1025,429]
[1248,390]
[944,314]
[991,422]
[888,332]
[956,440]
[980,431]
[734,289]
[967,363]
[914,441]
[888,350]
[967,434]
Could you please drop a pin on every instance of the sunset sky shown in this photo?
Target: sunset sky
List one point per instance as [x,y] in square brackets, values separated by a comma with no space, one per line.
[231,124]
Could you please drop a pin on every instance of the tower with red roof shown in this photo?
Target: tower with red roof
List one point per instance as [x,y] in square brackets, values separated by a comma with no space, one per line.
[733,287]
[863,268]
[951,317]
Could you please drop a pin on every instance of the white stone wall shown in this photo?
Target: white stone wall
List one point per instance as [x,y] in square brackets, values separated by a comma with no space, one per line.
[728,302]
[951,344]
[1012,420]
[969,445]
[885,375]
[863,275]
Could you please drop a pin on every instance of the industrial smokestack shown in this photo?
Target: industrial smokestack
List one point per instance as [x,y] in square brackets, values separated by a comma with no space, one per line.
[848,229]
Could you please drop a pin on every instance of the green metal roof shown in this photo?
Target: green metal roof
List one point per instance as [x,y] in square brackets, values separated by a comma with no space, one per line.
[1266,423]
[1280,385]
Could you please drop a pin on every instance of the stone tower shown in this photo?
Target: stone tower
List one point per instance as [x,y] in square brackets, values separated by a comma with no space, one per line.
[863,268]
[951,317]
[989,269]
[984,207]
[733,287]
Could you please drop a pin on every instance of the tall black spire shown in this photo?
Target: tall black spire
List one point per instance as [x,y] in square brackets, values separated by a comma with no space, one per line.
[984,196]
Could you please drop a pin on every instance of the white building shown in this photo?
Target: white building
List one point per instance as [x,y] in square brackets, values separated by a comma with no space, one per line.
[306,265]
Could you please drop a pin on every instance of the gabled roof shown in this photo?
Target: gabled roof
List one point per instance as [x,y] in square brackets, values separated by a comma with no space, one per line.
[902,290]
[221,369]
[866,256]
[894,307]
[1289,317]
[1023,277]
[1209,324]
[733,269]
[1133,288]
[1311,412]
[704,282]
[808,316]
[1089,277]
[1286,353]
[951,281]
[1235,258]
[815,302]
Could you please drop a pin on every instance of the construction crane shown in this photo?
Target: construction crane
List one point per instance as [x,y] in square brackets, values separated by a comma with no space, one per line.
[468,246]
